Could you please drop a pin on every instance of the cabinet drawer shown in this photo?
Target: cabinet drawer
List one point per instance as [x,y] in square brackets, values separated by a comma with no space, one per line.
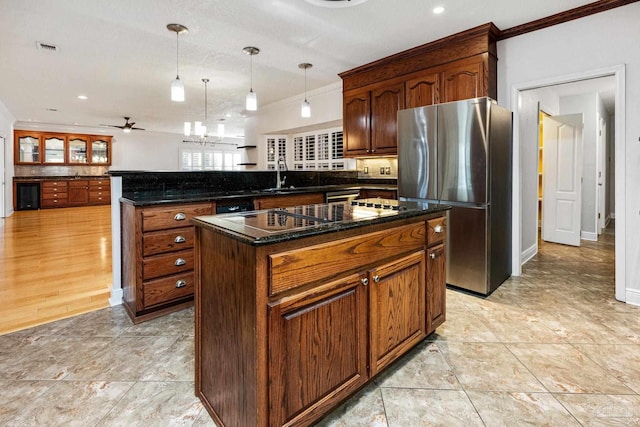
[298,267]
[54,186]
[159,242]
[164,265]
[436,230]
[78,183]
[51,203]
[163,290]
[62,194]
[172,216]
[99,196]
[100,183]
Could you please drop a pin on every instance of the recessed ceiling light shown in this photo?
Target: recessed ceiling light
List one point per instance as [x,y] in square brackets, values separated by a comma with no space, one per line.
[335,3]
[83,97]
[438,10]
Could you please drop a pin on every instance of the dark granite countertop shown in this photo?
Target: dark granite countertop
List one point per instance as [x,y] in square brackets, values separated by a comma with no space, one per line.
[143,198]
[54,178]
[284,224]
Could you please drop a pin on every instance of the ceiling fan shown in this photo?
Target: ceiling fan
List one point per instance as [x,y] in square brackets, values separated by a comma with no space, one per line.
[127,127]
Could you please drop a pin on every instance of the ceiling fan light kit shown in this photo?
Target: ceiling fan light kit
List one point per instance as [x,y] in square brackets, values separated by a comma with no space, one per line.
[177,87]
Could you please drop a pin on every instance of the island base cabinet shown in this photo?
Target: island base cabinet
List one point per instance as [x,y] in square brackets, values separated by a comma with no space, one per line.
[397,316]
[317,351]
[436,278]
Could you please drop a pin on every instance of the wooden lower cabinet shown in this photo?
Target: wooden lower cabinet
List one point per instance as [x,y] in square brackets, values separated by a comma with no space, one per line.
[309,332]
[286,332]
[158,257]
[54,194]
[436,273]
[369,193]
[78,192]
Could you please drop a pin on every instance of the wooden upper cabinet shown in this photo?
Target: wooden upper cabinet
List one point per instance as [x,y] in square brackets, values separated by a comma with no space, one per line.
[385,103]
[56,148]
[78,148]
[357,129]
[101,150]
[28,147]
[463,80]
[423,90]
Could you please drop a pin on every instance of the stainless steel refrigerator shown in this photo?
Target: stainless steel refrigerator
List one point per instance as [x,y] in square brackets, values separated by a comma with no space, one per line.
[459,154]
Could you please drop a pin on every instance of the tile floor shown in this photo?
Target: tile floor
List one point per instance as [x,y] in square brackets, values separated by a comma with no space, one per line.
[551,347]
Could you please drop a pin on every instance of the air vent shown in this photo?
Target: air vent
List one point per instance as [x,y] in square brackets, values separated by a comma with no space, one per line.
[335,3]
[46,47]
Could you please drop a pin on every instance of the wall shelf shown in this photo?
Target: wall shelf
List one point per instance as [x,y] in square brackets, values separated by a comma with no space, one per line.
[247,164]
[245,146]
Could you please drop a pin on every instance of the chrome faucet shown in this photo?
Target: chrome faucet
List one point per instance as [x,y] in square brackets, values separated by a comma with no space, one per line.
[281,161]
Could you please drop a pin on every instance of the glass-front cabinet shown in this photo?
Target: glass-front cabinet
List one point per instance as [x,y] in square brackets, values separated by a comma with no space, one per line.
[101,150]
[27,147]
[78,146]
[54,148]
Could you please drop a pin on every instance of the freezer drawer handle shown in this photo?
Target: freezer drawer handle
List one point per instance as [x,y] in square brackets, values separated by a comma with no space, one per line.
[180,217]
[179,239]
[438,228]
[180,261]
[181,283]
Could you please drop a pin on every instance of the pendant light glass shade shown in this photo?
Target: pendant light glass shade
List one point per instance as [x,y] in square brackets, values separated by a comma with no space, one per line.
[177,87]
[177,90]
[220,130]
[251,102]
[305,110]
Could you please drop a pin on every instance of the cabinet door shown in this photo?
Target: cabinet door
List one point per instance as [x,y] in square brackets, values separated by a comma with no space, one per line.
[288,201]
[27,147]
[397,309]
[317,350]
[78,146]
[436,287]
[385,103]
[357,128]
[54,148]
[422,91]
[101,150]
[463,80]
[78,192]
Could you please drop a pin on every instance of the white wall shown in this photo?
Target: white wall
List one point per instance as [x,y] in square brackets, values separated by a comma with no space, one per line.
[6,131]
[575,48]
[283,117]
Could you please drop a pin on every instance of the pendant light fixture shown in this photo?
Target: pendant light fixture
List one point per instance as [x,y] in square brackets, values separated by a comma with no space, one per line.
[305,110]
[177,87]
[252,100]
[199,129]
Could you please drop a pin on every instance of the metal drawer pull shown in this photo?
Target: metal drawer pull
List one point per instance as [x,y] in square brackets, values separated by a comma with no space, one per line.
[180,261]
[376,278]
[181,283]
[365,281]
[180,217]
[438,228]
[180,239]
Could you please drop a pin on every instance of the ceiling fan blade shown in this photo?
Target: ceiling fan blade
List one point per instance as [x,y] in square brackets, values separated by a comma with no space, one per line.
[137,128]
[112,126]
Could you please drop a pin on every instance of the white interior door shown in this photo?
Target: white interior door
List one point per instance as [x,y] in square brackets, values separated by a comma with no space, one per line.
[602,174]
[562,179]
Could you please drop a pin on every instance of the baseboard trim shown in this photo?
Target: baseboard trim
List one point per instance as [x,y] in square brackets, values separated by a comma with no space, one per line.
[116,297]
[633,296]
[528,253]
[584,235]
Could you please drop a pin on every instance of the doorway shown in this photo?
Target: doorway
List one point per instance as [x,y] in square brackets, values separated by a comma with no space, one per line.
[526,174]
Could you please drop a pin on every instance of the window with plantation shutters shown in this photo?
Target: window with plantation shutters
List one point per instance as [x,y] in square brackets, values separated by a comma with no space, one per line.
[197,159]
[316,150]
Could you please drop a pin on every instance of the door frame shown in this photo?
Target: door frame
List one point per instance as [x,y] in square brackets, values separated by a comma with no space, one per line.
[617,71]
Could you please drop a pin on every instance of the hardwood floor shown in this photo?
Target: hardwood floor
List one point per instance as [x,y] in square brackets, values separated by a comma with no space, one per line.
[54,263]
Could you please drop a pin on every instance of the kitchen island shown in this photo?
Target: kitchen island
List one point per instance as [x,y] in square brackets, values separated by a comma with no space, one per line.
[298,308]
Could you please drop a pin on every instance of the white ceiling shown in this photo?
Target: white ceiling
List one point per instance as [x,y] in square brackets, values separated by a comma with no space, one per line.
[120,54]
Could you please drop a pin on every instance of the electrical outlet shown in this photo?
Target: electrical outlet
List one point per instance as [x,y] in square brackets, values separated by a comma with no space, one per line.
[381,170]
[387,170]
[365,170]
